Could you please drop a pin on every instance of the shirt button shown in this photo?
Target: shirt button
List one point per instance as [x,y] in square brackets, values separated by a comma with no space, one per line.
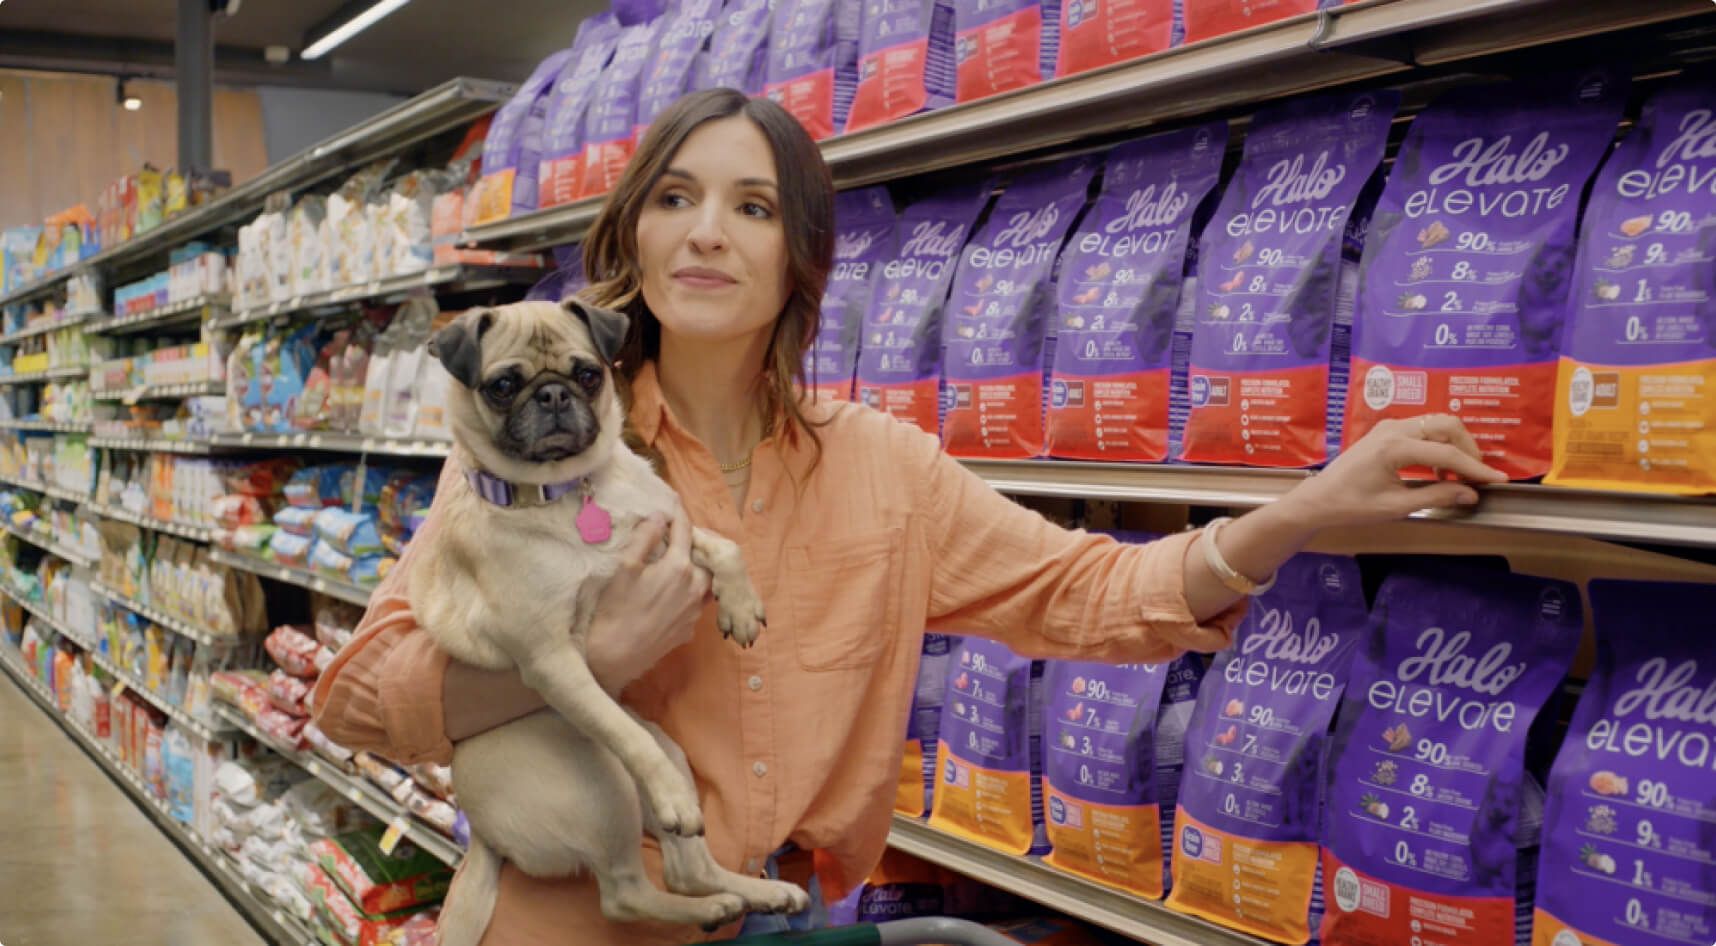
[756,505]
[760,769]
[755,683]
[753,866]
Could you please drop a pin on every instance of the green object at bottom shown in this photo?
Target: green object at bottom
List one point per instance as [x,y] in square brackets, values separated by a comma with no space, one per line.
[864,934]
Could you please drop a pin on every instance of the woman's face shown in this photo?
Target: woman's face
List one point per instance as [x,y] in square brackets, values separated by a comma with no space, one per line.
[710,242]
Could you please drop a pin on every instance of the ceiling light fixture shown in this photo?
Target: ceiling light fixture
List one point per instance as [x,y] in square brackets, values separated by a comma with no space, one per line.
[348,21]
[127,99]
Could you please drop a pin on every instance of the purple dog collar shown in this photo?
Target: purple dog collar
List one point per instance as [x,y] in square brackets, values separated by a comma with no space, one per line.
[504,493]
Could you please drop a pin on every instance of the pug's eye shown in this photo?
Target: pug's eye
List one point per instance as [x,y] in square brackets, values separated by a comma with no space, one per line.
[503,388]
[588,377]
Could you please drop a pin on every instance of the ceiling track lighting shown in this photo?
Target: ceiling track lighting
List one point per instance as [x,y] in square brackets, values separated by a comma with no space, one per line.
[127,99]
[347,21]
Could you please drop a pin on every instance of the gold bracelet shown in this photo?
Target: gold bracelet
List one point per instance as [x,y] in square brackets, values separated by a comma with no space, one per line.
[1230,579]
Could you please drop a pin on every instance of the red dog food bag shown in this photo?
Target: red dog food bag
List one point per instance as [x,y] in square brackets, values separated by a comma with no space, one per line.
[1002,45]
[1002,309]
[990,752]
[1636,396]
[899,357]
[610,123]
[905,61]
[561,173]
[1097,33]
[1629,855]
[1432,820]
[813,62]
[1119,289]
[1468,261]
[1207,18]
[1277,275]
[863,241]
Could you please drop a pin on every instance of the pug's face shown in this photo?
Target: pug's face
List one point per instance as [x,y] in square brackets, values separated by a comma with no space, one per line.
[535,401]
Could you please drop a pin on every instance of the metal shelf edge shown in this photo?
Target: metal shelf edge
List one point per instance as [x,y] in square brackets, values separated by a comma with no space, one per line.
[302,578]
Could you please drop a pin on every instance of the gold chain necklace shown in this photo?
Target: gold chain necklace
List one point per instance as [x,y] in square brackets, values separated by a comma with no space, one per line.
[736,467]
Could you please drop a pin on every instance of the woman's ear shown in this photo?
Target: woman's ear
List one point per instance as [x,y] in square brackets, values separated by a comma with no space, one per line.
[607,327]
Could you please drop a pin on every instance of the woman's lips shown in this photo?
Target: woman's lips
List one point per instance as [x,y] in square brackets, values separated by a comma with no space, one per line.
[698,277]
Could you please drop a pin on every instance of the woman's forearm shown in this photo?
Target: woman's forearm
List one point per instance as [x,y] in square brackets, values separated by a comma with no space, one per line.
[476,700]
[1255,545]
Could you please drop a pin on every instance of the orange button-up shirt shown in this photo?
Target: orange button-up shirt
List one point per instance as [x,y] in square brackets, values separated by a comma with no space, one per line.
[799,737]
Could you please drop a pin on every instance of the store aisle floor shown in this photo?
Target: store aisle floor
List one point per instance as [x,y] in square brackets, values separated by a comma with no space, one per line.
[79,863]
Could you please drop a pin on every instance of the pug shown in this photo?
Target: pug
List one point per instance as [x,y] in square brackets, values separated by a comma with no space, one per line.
[530,534]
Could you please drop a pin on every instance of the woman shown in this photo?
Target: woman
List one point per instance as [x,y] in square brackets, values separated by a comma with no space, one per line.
[857,530]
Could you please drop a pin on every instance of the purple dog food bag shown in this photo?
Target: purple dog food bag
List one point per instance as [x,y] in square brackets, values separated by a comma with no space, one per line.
[562,163]
[1002,45]
[1119,289]
[923,727]
[905,61]
[1276,282]
[610,124]
[508,183]
[1469,259]
[1111,767]
[813,62]
[1432,822]
[1629,851]
[899,357]
[863,241]
[990,755]
[738,56]
[1251,793]
[1001,310]
[684,33]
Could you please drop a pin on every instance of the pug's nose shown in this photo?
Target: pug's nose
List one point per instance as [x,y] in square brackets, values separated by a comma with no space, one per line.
[554,397]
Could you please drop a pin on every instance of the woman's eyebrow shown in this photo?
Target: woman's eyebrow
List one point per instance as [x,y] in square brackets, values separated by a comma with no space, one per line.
[758,182]
[681,174]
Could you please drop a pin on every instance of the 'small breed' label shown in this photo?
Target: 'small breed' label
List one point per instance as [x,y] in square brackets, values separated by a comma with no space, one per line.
[1468,258]
[1635,406]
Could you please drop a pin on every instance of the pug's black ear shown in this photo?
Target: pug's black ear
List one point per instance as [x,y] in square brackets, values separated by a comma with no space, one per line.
[459,346]
[607,327]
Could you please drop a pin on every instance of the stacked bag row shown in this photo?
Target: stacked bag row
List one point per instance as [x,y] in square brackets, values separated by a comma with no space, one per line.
[1174,317]
[62,460]
[68,401]
[179,578]
[165,486]
[1357,772]
[196,269]
[136,362]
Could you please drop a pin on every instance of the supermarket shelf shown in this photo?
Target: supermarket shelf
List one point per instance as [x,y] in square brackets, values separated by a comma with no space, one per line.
[43,328]
[444,278]
[45,427]
[57,492]
[42,614]
[181,529]
[1239,70]
[162,392]
[1630,517]
[51,546]
[1144,920]
[367,796]
[153,445]
[303,578]
[186,312]
[52,374]
[335,442]
[178,626]
[272,922]
[41,287]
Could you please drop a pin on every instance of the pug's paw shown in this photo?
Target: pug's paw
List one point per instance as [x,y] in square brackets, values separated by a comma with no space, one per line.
[739,611]
[673,802]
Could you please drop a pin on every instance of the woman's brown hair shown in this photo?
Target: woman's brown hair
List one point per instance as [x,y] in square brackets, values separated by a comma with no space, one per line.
[806,202]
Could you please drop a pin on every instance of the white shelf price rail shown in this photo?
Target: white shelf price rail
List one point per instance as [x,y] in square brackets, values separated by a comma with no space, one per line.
[52,546]
[191,311]
[46,489]
[161,392]
[183,530]
[303,578]
[177,625]
[43,328]
[447,278]
[46,426]
[40,377]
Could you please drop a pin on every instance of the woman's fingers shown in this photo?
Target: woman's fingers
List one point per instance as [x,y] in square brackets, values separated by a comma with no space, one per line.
[1446,428]
[1445,457]
[1435,496]
[646,538]
[679,535]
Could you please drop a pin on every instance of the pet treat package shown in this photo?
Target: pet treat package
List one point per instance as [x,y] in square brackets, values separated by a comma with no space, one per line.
[1097,33]
[989,755]
[1207,18]
[738,56]
[1251,793]
[899,357]
[923,727]
[513,148]
[1118,353]
[1628,855]
[1276,284]
[863,242]
[562,167]
[1464,280]
[813,62]
[1113,750]
[610,123]
[1635,404]
[684,32]
[1002,45]
[1001,310]
[1432,820]
[905,61]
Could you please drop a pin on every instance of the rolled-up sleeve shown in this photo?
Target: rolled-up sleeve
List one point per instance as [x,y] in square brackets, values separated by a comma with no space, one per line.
[1004,572]
[384,692]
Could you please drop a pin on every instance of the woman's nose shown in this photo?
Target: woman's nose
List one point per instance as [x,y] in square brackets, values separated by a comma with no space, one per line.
[707,234]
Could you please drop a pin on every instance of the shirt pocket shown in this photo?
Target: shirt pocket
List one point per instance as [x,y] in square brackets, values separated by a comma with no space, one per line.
[843,598]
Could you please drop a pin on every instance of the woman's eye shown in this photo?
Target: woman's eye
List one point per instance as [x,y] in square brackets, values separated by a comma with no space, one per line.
[674,200]
[588,378]
[753,209]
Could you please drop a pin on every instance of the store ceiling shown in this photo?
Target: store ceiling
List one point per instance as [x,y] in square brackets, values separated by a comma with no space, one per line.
[420,45]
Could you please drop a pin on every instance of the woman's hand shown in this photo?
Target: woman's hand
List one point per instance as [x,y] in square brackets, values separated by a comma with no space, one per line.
[650,607]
